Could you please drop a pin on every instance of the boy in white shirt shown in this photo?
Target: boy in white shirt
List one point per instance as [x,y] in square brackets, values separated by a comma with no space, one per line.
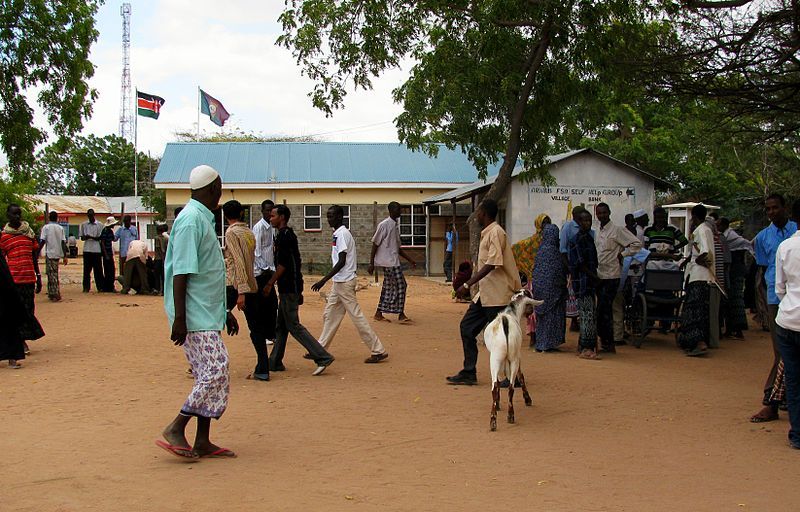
[342,296]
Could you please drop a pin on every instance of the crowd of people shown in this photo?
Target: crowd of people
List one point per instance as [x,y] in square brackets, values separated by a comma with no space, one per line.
[576,271]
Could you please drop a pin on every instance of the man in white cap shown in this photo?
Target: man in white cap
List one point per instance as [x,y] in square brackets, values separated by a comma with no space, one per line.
[194,300]
[642,220]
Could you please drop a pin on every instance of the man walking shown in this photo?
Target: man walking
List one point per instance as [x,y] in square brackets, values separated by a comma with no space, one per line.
[342,297]
[263,269]
[614,243]
[54,241]
[386,252]
[89,232]
[194,300]
[289,279]
[499,279]
[125,234]
[766,247]
[787,323]
[239,252]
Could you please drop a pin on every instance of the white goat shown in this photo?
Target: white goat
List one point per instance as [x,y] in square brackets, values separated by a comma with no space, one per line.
[503,339]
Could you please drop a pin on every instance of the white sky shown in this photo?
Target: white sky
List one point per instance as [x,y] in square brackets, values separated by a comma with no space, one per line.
[228,49]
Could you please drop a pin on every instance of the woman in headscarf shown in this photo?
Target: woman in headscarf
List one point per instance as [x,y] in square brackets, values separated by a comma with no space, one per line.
[20,249]
[549,284]
[525,256]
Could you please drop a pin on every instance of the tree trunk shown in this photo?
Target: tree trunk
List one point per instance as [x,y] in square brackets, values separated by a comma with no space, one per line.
[500,185]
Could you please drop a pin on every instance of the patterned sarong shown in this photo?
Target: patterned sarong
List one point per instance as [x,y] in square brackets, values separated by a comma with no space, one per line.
[209,360]
[694,317]
[588,323]
[393,292]
[53,288]
[777,395]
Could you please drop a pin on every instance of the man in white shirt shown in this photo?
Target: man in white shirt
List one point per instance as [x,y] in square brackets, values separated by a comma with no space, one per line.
[614,243]
[54,242]
[263,269]
[694,332]
[90,232]
[386,252]
[787,323]
[342,296]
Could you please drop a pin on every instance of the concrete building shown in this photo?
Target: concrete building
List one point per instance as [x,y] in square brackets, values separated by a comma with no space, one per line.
[582,177]
[310,176]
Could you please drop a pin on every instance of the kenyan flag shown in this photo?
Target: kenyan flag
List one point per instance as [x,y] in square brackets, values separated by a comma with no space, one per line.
[148,105]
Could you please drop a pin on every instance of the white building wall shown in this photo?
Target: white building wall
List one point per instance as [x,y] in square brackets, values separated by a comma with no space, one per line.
[586,180]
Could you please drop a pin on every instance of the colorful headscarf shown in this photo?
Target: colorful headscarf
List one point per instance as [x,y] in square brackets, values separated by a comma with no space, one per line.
[525,250]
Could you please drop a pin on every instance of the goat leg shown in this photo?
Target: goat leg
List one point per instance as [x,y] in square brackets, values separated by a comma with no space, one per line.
[495,400]
[511,403]
[525,394]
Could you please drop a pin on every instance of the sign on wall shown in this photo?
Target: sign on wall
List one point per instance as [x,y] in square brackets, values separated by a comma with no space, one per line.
[582,195]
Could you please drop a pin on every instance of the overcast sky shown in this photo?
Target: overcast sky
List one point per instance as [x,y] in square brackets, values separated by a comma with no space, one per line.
[228,49]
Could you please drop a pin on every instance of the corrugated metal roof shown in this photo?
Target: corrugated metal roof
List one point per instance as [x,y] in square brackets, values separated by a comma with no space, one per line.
[314,162]
[467,190]
[80,204]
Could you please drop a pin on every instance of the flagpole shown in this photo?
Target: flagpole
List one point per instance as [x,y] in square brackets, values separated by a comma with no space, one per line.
[198,113]
[136,159]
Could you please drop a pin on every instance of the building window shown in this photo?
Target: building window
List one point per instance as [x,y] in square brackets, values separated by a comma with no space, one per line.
[346,219]
[312,217]
[413,229]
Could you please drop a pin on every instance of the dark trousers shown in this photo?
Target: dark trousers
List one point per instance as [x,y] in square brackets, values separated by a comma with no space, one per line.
[288,322]
[159,268]
[92,263]
[605,311]
[473,322]
[109,274]
[261,315]
[789,345]
[448,265]
[135,266]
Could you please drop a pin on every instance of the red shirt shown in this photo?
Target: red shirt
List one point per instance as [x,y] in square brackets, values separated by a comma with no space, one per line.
[18,251]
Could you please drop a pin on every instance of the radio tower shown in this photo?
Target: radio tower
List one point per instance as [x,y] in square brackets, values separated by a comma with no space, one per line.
[125,114]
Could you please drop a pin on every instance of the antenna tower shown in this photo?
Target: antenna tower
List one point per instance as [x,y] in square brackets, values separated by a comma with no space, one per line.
[125,113]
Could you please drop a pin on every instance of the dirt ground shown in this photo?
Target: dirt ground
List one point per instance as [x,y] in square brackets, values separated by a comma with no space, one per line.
[643,430]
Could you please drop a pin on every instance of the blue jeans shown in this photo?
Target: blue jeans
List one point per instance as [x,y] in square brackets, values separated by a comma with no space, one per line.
[789,346]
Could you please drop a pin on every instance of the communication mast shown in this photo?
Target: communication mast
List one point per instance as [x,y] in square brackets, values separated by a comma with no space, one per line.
[125,113]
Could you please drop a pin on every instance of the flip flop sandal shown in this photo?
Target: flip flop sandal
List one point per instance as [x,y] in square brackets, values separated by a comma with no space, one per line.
[184,452]
[222,453]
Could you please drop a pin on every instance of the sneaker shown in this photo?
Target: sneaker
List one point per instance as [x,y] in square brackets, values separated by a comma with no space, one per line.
[270,342]
[461,378]
[376,358]
[322,366]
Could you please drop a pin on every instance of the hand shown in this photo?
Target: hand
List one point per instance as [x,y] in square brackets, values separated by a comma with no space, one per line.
[318,285]
[232,324]
[683,264]
[370,269]
[179,332]
[65,260]
[267,291]
[620,258]
[240,302]
[38,283]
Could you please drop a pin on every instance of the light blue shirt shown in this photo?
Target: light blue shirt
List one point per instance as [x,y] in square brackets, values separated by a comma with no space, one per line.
[766,247]
[568,232]
[451,237]
[194,251]
[125,237]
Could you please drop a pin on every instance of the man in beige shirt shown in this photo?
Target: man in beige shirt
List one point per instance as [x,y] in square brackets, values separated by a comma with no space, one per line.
[613,244]
[241,285]
[499,279]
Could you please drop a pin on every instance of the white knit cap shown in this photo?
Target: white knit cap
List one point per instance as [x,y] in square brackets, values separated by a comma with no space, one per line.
[201,176]
[638,214]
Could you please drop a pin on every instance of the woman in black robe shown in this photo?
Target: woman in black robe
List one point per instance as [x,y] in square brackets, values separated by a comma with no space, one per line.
[12,347]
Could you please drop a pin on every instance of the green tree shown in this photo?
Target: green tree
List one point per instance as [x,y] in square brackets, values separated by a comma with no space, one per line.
[12,192]
[493,77]
[237,135]
[44,49]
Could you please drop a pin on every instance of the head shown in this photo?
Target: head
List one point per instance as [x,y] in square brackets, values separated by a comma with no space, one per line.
[90,215]
[524,303]
[279,216]
[177,211]
[53,216]
[266,209]
[723,224]
[335,216]
[14,215]
[161,229]
[643,221]
[486,212]
[699,213]
[206,186]
[541,221]
[233,211]
[465,266]
[659,217]
[126,221]
[796,211]
[585,221]
[394,210]
[775,207]
[550,235]
[630,221]
[576,212]
[603,213]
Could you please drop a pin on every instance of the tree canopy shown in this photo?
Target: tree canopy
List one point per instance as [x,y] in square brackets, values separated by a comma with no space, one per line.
[44,49]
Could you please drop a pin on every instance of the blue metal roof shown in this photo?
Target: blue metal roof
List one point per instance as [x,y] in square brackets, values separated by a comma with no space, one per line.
[315,162]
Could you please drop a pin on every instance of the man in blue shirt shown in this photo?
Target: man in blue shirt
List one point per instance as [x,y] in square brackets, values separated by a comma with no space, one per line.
[451,236]
[125,234]
[766,246]
[194,300]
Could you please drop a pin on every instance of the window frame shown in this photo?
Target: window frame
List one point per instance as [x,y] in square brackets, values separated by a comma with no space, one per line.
[306,217]
[416,220]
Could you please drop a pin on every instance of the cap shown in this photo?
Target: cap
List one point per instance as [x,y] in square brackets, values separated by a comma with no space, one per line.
[638,214]
[201,176]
